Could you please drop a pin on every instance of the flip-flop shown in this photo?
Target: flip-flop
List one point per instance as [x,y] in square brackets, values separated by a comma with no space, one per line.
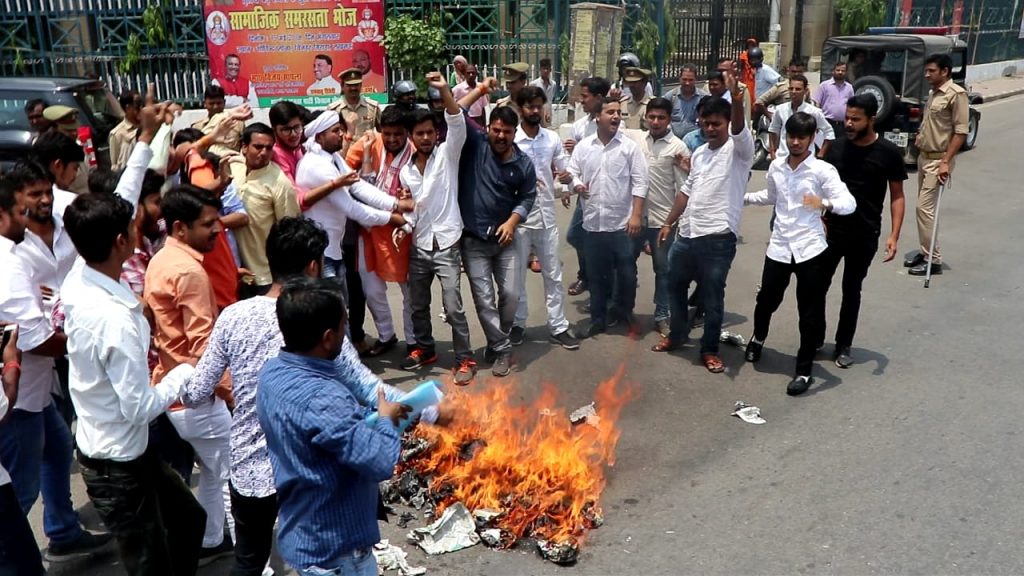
[713,363]
[665,345]
[534,265]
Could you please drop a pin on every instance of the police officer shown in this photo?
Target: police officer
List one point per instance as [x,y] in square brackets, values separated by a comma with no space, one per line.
[515,76]
[360,113]
[943,131]
[634,100]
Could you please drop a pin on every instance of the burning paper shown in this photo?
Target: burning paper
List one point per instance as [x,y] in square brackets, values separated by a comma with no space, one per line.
[391,557]
[454,530]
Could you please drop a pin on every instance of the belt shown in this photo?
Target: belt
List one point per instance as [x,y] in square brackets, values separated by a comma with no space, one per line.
[931,155]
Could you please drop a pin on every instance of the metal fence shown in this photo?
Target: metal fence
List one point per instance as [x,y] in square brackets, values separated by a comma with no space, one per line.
[991,28]
[711,29]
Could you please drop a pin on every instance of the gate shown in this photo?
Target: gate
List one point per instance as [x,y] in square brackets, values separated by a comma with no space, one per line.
[992,29]
[712,29]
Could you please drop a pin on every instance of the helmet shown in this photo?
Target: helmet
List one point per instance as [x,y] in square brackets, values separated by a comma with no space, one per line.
[628,59]
[433,94]
[403,88]
[755,53]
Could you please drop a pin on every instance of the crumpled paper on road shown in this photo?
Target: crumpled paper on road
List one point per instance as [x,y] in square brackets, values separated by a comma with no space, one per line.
[454,530]
[749,414]
[391,557]
[734,338]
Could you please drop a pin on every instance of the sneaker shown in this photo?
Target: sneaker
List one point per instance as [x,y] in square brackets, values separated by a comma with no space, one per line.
[798,385]
[418,358]
[86,545]
[210,555]
[566,340]
[503,365]
[465,371]
[382,347]
[842,357]
[517,336]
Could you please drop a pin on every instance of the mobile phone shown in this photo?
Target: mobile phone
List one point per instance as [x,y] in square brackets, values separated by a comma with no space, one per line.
[8,330]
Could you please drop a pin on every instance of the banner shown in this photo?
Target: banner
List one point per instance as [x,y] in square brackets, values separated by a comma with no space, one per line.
[262,51]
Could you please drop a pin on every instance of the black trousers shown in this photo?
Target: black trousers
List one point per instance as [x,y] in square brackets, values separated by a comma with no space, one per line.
[19,554]
[157,522]
[811,286]
[254,532]
[356,296]
[857,250]
[168,445]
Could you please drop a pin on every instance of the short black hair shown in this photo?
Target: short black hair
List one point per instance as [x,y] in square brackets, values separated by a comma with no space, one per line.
[186,135]
[307,115]
[25,172]
[152,183]
[128,98]
[716,106]
[715,75]
[596,85]
[726,59]
[799,78]
[943,61]
[659,103]
[801,125]
[103,181]
[52,146]
[292,244]
[418,116]
[235,56]
[306,308]
[284,112]
[7,190]
[257,128]
[213,92]
[865,102]
[94,221]
[545,62]
[393,116]
[185,203]
[506,115]
[31,104]
[798,62]
[325,58]
[529,94]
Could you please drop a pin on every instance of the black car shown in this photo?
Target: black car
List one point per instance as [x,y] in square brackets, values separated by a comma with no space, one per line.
[97,108]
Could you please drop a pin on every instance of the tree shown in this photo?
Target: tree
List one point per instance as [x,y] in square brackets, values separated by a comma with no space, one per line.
[414,45]
[856,16]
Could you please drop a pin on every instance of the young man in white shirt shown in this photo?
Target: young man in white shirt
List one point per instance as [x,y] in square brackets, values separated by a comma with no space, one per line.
[432,177]
[798,103]
[540,230]
[155,518]
[710,205]
[610,174]
[802,188]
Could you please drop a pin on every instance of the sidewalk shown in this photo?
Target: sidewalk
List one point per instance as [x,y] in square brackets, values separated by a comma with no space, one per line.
[999,88]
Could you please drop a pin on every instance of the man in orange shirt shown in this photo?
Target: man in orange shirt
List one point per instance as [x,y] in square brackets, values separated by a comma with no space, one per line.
[184,306]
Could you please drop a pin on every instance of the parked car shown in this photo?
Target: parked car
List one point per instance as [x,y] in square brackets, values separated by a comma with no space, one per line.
[97,108]
[888,63]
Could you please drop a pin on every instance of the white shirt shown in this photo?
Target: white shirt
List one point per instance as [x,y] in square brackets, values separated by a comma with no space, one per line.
[798,234]
[666,178]
[614,174]
[108,337]
[326,86]
[232,100]
[716,185]
[549,88]
[436,190]
[545,151]
[318,167]
[784,113]
[583,127]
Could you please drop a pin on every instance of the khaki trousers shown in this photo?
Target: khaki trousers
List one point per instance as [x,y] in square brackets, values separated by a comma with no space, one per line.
[927,197]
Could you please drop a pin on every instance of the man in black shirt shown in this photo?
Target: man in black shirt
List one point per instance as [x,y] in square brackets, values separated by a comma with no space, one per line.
[867,164]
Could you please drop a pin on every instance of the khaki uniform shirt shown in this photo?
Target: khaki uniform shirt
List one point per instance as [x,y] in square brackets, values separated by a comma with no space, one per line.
[359,118]
[946,114]
[507,101]
[122,140]
[232,141]
[633,112]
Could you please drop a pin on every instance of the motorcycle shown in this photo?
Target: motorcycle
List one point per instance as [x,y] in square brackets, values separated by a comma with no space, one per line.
[762,141]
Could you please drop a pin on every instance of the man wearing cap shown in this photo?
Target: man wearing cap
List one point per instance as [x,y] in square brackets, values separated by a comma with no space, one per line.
[62,118]
[360,113]
[515,79]
[634,100]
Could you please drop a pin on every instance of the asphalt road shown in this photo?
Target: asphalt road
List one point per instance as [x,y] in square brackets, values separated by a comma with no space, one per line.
[905,463]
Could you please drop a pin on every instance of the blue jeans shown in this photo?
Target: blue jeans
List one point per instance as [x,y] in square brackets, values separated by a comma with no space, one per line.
[705,260]
[35,448]
[659,261]
[358,564]
[611,264]
[576,237]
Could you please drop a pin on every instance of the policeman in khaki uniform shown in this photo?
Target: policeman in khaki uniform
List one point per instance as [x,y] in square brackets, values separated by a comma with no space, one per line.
[943,131]
[360,113]
[634,100]
[515,79]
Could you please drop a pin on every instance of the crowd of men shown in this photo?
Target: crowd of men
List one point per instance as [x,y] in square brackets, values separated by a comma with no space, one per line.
[201,304]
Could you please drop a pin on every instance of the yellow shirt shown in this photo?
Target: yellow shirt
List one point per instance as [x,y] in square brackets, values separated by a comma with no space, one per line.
[268,196]
[946,114]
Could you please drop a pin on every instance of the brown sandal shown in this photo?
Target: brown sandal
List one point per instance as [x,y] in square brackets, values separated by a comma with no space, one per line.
[713,363]
[665,345]
[534,264]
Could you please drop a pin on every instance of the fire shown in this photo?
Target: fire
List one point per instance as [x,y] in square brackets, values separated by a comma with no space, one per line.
[529,463]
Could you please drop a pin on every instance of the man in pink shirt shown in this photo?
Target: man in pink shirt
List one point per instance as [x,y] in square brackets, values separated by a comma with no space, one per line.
[478,110]
[286,120]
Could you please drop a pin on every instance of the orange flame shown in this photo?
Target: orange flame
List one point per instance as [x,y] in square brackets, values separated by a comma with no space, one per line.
[528,462]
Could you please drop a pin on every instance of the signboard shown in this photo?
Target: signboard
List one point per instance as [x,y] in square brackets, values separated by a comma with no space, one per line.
[262,51]
[595,34]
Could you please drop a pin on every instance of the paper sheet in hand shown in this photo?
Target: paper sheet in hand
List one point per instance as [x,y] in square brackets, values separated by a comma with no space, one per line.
[419,398]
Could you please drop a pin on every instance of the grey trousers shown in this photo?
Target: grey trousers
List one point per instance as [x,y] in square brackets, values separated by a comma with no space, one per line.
[446,265]
[490,265]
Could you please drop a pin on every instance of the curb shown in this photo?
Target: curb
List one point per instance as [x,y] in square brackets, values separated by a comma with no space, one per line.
[1004,94]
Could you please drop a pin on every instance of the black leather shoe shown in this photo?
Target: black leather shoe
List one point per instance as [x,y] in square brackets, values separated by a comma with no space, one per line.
[753,353]
[922,269]
[914,260]
[798,385]
[596,329]
[842,357]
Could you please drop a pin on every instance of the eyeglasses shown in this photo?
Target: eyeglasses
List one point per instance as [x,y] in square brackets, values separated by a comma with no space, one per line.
[291,129]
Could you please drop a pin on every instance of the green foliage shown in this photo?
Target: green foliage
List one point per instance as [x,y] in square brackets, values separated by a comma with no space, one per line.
[564,50]
[646,37]
[856,16]
[415,45]
[132,55]
[153,23]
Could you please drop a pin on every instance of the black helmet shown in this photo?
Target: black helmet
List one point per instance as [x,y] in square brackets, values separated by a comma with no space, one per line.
[403,88]
[755,53]
[629,59]
[433,94]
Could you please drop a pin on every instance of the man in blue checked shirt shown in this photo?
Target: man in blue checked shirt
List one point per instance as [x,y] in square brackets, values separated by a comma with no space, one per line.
[327,462]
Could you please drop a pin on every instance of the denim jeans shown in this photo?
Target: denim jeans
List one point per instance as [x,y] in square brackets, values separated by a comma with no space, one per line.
[705,260]
[659,261]
[35,448]
[361,563]
[491,266]
[610,264]
[19,554]
[576,237]
[446,265]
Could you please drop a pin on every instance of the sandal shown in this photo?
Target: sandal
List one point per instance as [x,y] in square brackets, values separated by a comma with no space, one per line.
[534,264]
[666,345]
[713,363]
